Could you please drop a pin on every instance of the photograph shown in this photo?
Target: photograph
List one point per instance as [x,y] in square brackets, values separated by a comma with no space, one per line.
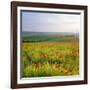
[50,43]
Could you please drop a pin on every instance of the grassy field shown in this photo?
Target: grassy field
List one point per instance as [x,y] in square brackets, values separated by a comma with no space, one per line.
[54,55]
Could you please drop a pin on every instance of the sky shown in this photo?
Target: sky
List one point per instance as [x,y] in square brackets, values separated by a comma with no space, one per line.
[50,22]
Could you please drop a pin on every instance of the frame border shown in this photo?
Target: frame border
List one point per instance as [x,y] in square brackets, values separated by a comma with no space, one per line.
[14,5]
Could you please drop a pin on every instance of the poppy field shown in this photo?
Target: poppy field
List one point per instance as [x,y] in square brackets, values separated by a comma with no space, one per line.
[50,55]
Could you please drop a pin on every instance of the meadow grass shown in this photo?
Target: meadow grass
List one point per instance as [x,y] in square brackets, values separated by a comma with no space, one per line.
[40,59]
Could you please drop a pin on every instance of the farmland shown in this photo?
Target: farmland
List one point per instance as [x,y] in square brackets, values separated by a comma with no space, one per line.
[50,55]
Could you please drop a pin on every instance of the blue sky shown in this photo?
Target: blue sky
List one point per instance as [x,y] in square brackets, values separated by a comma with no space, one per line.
[50,22]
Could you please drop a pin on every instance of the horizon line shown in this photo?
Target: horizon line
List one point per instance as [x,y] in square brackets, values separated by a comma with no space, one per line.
[50,32]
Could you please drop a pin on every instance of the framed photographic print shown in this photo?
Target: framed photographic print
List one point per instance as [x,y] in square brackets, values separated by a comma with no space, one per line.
[48,44]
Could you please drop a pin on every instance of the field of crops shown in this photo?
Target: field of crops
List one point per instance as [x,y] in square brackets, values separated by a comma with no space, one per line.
[54,58]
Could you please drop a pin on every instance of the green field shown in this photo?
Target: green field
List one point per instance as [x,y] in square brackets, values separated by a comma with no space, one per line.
[50,55]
